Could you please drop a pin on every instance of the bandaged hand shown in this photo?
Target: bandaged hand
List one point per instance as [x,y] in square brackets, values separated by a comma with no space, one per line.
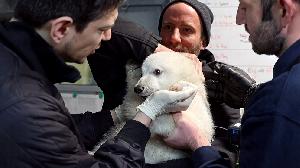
[166,101]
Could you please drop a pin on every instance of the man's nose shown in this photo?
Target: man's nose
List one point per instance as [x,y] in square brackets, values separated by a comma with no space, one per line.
[175,37]
[240,16]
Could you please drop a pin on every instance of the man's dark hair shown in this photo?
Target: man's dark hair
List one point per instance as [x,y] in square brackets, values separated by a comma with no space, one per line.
[266,8]
[37,12]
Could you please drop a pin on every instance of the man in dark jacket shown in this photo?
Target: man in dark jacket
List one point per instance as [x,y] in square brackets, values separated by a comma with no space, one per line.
[134,42]
[36,129]
[184,26]
[270,130]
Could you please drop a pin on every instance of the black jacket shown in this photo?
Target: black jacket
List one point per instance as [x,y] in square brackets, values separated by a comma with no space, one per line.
[131,41]
[36,129]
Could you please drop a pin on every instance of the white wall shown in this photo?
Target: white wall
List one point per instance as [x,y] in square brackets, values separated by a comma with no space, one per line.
[229,42]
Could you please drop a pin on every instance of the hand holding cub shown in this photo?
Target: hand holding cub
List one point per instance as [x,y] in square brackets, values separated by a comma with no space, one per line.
[178,98]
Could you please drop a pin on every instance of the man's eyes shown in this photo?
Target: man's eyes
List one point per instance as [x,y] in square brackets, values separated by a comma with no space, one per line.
[187,30]
[167,27]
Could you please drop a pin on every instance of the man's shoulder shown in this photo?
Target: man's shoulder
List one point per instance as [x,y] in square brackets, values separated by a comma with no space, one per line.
[8,59]
[21,86]
[278,96]
[206,56]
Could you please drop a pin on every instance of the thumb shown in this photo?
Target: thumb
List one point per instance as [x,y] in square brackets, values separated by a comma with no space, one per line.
[161,47]
[176,116]
[186,95]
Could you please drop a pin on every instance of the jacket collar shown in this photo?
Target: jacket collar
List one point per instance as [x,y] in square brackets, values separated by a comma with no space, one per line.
[206,56]
[36,52]
[287,60]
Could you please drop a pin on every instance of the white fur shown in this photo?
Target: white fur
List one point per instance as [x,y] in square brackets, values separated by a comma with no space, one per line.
[173,67]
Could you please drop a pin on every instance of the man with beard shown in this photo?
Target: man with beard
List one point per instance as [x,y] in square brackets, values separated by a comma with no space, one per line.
[270,130]
[184,26]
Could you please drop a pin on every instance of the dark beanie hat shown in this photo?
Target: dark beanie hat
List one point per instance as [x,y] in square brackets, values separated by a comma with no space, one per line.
[203,11]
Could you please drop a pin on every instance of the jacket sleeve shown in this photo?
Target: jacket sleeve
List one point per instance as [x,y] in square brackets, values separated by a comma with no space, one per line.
[207,157]
[130,142]
[128,41]
[92,126]
[223,115]
[46,137]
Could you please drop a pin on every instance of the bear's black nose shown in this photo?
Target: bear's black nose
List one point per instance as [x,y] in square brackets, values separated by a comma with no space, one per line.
[138,89]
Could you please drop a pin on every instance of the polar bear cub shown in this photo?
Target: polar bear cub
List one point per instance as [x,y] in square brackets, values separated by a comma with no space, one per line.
[160,71]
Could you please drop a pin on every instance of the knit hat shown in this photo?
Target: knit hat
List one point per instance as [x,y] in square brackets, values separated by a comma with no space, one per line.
[204,13]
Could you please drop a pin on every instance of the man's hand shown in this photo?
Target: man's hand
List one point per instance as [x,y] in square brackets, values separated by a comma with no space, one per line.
[197,63]
[229,84]
[161,47]
[165,101]
[187,133]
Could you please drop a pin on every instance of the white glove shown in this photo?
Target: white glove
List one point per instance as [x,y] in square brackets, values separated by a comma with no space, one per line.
[166,101]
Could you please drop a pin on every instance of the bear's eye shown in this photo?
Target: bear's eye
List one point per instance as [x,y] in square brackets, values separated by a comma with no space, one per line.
[157,72]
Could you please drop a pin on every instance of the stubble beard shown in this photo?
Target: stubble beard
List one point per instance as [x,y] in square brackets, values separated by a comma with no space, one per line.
[266,39]
[193,50]
[65,54]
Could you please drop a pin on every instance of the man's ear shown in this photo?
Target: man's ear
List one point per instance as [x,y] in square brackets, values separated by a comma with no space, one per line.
[287,11]
[203,42]
[60,27]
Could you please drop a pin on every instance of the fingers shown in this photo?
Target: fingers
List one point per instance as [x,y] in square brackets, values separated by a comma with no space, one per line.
[198,66]
[165,101]
[181,85]
[160,48]
[187,91]
[185,96]
[190,56]
[186,85]
[197,63]
[181,100]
